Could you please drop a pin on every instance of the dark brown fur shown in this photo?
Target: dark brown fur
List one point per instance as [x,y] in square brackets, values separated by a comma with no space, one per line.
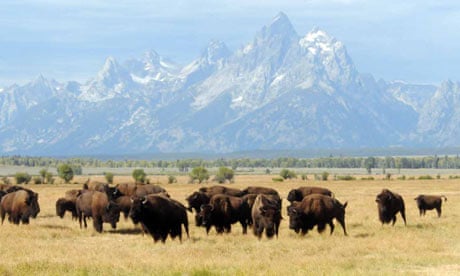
[63,205]
[219,189]
[161,216]
[429,202]
[266,216]
[316,210]
[389,204]
[260,190]
[223,211]
[299,193]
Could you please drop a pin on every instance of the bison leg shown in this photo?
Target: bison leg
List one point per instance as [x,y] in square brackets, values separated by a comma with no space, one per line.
[403,214]
[2,214]
[97,223]
[331,225]
[186,230]
[438,210]
[342,223]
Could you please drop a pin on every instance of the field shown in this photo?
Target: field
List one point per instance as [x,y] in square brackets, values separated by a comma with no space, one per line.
[426,246]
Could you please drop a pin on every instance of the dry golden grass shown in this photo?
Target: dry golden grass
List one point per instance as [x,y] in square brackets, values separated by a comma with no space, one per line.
[427,245]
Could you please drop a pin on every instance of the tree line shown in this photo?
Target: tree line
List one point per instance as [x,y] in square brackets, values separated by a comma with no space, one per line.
[369,163]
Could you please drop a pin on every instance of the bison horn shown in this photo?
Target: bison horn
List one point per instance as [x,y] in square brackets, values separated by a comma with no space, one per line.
[144,200]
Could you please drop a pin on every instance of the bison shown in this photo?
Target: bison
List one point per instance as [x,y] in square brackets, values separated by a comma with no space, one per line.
[195,200]
[20,206]
[63,205]
[259,190]
[96,205]
[138,190]
[218,189]
[161,216]
[299,193]
[124,203]
[429,202]
[316,210]
[266,215]
[224,210]
[389,204]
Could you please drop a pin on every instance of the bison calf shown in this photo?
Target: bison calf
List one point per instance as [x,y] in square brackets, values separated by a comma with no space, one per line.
[429,202]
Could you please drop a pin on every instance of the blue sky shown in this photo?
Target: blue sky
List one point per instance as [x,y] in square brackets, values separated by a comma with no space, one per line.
[415,41]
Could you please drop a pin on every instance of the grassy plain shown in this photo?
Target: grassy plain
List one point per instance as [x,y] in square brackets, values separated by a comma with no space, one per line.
[426,246]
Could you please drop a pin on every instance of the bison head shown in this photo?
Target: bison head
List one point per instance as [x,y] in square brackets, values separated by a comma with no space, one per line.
[137,209]
[295,218]
[206,213]
[294,195]
[271,217]
[197,199]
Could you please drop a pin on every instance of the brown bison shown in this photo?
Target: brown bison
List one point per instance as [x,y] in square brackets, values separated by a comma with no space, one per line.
[96,205]
[316,210]
[266,215]
[223,211]
[299,193]
[429,202]
[20,206]
[161,216]
[195,200]
[63,205]
[259,190]
[96,186]
[218,189]
[138,190]
[124,203]
[389,204]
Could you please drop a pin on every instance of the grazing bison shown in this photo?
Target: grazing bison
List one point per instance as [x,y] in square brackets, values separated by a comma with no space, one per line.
[20,206]
[259,190]
[429,202]
[160,216]
[266,215]
[299,193]
[316,210]
[223,211]
[63,205]
[96,205]
[218,189]
[389,204]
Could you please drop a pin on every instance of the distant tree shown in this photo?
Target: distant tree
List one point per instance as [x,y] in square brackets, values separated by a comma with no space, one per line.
[224,174]
[77,169]
[324,176]
[43,173]
[109,177]
[22,177]
[49,178]
[200,174]
[139,175]
[287,174]
[65,172]
[369,164]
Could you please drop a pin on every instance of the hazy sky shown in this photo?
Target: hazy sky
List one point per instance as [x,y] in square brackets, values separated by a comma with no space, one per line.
[416,41]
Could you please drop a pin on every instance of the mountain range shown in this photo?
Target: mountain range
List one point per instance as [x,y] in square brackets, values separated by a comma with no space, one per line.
[280,91]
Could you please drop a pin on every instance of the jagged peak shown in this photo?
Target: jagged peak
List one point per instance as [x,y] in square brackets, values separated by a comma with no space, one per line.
[279,26]
[215,51]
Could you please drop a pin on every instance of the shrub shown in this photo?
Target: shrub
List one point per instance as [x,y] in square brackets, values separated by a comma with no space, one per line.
[402,177]
[37,180]
[22,177]
[139,175]
[287,174]
[304,177]
[388,176]
[65,172]
[49,178]
[324,176]
[345,177]
[109,177]
[268,171]
[172,179]
[224,174]
[200,174]
[425,177]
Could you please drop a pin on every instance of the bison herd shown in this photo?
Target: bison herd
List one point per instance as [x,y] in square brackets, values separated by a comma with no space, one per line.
[215,207]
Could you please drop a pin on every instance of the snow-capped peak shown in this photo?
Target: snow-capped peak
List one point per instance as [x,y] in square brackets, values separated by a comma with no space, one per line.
[217,50]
